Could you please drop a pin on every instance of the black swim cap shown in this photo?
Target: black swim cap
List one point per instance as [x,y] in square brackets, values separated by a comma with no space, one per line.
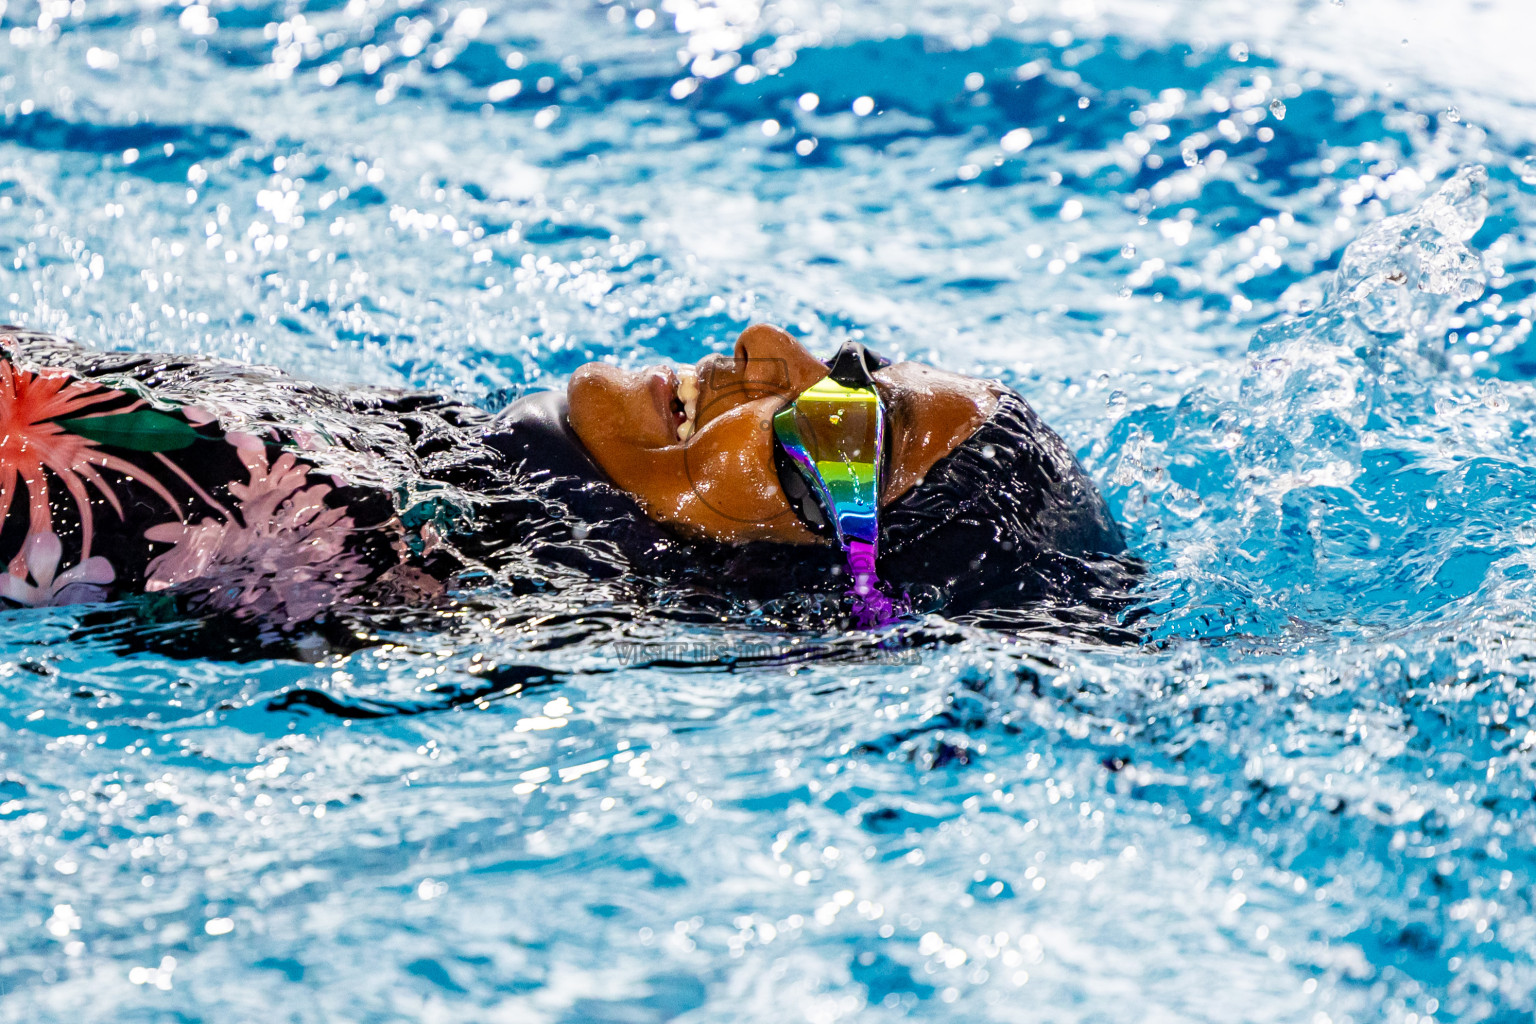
[1006,520]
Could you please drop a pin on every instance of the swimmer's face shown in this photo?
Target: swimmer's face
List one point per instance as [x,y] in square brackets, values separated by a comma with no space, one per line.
[695,444]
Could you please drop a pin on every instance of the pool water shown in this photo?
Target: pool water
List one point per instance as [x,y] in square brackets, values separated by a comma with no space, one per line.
[1270,271]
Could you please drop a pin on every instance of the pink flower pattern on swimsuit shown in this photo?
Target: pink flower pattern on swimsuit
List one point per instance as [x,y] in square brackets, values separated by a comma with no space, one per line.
[39,559]
[284,562]
[271,549]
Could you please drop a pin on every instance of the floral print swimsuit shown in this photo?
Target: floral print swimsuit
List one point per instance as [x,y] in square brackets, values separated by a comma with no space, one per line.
[105,493]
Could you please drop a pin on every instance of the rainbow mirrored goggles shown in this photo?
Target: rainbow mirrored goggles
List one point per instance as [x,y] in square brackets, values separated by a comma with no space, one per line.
[834,435]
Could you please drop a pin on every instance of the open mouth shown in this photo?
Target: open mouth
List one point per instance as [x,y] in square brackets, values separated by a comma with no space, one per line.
[685,402]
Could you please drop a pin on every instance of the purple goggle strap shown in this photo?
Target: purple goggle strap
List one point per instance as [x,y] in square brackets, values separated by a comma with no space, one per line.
[871,607]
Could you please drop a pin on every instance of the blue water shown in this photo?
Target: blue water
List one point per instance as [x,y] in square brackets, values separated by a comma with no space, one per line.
[1270,269]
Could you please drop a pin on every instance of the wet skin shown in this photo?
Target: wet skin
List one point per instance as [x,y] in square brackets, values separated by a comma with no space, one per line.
[715,477]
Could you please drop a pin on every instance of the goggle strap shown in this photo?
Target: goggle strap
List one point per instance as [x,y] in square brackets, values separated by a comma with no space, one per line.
[871,608]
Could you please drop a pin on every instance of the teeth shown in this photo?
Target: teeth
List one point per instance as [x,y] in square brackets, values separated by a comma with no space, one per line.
[688,394]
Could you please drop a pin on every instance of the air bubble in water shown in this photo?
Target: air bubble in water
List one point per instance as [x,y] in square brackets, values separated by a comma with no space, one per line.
[1277,107]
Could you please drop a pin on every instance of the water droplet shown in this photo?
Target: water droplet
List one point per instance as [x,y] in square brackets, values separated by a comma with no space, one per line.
[974,81]
[864,105]
[1452,114]
[1238,52]
[1528,170]
[1128,250]
[1191,158]
[1017,140]
[988,452]
[1277,107]
[1082,102]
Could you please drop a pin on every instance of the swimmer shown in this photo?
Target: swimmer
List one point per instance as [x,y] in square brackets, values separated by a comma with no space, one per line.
[245,492]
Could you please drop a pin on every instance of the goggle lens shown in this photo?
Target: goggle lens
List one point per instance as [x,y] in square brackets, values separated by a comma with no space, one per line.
[835,435]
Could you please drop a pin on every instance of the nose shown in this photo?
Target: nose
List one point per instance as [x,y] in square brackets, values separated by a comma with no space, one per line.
[772,360]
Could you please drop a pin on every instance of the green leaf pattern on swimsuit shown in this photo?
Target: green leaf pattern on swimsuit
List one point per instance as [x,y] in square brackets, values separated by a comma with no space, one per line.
[143,430]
